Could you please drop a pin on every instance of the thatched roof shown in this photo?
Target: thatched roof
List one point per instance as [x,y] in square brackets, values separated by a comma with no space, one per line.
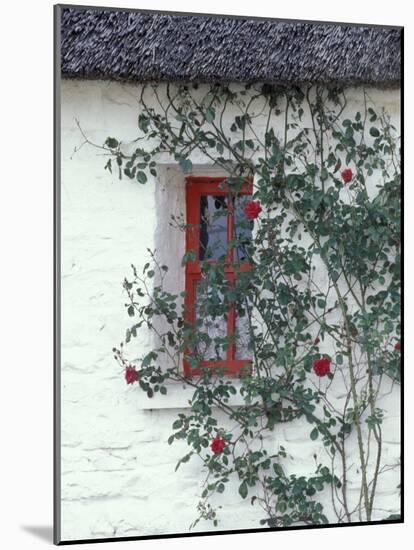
[146,46]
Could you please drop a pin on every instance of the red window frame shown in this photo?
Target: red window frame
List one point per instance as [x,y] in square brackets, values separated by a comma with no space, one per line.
[195,188]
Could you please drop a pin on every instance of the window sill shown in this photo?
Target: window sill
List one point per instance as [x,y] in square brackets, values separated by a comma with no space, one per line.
[178,397]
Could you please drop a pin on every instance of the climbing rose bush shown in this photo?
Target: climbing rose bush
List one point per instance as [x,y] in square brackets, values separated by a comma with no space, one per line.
[324,277]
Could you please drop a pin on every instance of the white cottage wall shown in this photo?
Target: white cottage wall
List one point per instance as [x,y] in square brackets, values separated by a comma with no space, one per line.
[118,474]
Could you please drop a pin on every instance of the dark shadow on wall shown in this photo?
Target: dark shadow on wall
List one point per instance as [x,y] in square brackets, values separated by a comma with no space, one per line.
[44,532]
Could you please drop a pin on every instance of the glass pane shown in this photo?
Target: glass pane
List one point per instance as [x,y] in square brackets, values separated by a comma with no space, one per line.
[210,312]
[242,228]
[213,227]
[242,337]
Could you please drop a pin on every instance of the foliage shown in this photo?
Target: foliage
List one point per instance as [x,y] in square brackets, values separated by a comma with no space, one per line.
[324,282]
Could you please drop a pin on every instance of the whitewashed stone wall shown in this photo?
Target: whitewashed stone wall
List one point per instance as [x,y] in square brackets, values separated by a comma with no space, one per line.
[117,469]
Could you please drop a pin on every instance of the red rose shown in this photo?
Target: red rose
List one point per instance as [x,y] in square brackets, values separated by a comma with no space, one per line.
[218,445]
[131,375]
[317,340]
[347,175]
[252,210]
[397,345]
[322,366]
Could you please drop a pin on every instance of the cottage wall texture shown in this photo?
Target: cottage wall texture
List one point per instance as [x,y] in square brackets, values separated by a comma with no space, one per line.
[118,474]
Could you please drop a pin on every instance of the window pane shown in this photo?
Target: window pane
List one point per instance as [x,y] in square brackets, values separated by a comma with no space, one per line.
[210,312]
[242,228]
[242,337]
[213,227]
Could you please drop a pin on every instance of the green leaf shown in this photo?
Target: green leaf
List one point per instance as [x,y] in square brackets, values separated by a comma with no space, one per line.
[278,470]
[207,100]
[143,123]
[112,143]
[188,257]
[372,113]
[210,114]
[335,276]
[148,358]
[314,434]
[185,458]
[281,506]
[374,132]
[186,165]
[243,490]
[141,177]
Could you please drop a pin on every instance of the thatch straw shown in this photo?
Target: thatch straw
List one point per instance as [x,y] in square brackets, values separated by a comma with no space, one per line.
[135,46]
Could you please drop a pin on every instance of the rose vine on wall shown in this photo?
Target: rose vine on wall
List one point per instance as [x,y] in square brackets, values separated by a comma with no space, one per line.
[321,301]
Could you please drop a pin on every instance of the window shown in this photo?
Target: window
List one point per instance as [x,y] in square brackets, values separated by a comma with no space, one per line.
[215,217]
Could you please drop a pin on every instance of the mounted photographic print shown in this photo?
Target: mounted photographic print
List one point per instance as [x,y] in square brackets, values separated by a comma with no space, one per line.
[228,251]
